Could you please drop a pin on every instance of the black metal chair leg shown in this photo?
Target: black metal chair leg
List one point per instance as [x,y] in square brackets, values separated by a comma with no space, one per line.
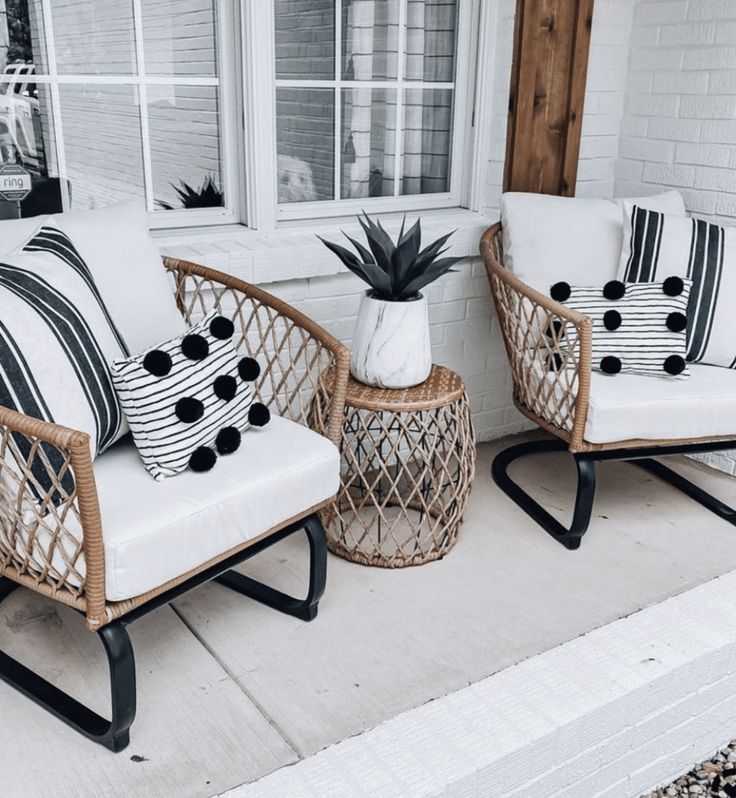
[688,488]
[113,734]
[7,586]
[305,609]
[586,472]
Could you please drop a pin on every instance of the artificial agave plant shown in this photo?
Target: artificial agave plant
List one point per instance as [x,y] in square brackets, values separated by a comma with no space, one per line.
[395,272]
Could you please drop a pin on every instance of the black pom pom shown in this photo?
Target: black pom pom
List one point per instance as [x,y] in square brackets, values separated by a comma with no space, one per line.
[554,329]
[258,414]
[202,459]
[195,347]
[610,365]
[673,286]
[157,362]
[222,328]
[674,365]
[248,369]
[228,440]
[225,387]
[560,292]
[189,409]
[676,321]
[612,319]
[614,289]
[554,362]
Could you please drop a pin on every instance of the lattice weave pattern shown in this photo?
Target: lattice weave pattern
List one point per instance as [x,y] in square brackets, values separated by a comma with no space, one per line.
[51,531]
[548,348]
[41,541]
[291,358]
[407,473]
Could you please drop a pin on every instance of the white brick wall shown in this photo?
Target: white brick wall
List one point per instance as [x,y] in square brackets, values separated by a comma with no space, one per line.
[611,714]
[465,333]
[679,124]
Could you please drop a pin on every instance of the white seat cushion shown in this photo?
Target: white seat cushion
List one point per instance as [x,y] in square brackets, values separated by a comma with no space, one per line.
[157,531]
[547,239]
[630,406]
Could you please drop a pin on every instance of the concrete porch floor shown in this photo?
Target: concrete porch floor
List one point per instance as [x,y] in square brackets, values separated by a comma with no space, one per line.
[230,691]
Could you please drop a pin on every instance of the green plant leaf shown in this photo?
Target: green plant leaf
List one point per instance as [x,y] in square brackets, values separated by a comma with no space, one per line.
[362,251]
[379,242]
[414,231]
[433,250]
[368,272]
[429,275]
[405,255]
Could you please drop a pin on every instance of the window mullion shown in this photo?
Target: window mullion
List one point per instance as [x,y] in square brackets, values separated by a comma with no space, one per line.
[401,47]
[338,100]
[143,103]
[259,118]
[48,25]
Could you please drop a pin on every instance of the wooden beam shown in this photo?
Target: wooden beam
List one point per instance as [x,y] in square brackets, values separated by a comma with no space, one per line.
[548,75]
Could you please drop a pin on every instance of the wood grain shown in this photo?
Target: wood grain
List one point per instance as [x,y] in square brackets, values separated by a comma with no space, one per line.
[548,76]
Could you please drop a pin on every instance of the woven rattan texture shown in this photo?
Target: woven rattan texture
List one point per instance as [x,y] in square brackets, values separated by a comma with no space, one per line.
[548,348]
[55,547]
[408,465]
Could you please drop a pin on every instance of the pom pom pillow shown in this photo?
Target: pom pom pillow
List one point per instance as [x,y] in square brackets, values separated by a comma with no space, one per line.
[188,399]
[639,328]
[657,245]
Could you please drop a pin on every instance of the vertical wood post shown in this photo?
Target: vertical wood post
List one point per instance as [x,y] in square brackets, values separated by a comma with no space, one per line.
[548,75]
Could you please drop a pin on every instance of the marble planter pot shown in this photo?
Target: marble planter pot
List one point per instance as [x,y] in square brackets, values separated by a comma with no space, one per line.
[391,343]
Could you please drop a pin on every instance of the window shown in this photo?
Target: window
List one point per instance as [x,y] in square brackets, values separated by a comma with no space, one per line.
[112,100]
[364,97]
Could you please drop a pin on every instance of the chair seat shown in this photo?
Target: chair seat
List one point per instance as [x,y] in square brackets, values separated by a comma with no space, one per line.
[156,531]
[630,406]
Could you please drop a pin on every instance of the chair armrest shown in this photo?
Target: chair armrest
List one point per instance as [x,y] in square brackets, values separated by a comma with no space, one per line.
[50,528]
[548,347]
[300,361]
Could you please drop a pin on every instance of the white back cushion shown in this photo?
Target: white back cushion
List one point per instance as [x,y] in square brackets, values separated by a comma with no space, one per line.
[548,238]
[15,232]
[126,265]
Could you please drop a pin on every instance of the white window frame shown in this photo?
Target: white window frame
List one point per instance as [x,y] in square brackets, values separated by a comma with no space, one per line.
[246,84]
[229,98]
[258,52]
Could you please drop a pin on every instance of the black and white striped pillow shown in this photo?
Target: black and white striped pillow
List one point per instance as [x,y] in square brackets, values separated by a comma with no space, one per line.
[56,341]
[639,328]
[188,399]
[658,245]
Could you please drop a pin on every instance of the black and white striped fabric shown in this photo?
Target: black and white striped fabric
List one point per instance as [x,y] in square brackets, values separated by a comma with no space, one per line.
[188,399]
[638,328]
[657,245]
[56,341]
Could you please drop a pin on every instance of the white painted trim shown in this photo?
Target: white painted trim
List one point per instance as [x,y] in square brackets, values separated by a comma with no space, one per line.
[483,99]
[143,105]
[337,122]
[293,249]
[611,714]
[50,45]
[259,98]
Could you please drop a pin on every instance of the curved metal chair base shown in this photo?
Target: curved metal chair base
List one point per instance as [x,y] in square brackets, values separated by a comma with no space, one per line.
[571,535]
[114,734]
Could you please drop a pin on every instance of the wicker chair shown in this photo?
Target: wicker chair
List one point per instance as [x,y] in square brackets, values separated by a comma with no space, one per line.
[295,354]
[536,331]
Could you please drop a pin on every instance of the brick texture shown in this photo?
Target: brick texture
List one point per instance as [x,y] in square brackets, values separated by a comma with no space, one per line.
[611,714]
[679,123]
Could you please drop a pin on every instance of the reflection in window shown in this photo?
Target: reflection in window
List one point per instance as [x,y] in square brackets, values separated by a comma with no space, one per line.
[379,116]
[112,127]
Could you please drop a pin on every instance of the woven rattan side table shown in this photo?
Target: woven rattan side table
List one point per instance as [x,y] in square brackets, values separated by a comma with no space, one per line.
[408,465]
